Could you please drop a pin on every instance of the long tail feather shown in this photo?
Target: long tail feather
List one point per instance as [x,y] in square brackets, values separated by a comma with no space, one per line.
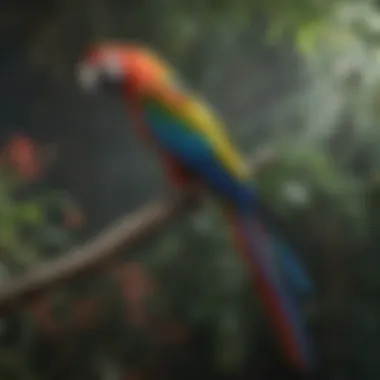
[281,309]
[293,271]
[290,266]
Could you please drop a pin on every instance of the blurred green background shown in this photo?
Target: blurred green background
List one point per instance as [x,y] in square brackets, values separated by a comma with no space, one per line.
[299,77]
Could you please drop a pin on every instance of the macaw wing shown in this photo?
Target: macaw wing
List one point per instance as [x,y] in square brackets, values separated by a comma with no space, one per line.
[197,152]
[176,134]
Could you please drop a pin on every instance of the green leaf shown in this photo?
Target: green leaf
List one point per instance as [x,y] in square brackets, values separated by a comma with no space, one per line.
[308,35]
[29,213]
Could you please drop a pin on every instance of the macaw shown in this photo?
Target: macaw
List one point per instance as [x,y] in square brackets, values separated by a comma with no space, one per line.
[194,148]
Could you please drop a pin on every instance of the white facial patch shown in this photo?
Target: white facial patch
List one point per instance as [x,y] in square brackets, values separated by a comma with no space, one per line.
[88,77]
[108,68]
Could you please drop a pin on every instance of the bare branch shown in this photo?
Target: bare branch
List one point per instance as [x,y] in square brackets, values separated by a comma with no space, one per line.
[101,249]
[122,234]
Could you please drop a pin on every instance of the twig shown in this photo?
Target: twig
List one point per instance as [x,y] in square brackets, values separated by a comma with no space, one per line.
[102,248]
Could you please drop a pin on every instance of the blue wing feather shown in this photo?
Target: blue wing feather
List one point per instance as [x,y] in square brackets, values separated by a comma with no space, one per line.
[197,154]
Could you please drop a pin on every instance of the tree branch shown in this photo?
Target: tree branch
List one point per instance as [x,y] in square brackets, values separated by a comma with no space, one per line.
[123,234]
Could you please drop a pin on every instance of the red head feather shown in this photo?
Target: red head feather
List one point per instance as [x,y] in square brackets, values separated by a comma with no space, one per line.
[138,67]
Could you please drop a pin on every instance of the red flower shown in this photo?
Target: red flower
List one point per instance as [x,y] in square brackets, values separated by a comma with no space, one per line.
[136,284]
[24,157]
[86,314]
[41,310]
[73,218]
[136,287]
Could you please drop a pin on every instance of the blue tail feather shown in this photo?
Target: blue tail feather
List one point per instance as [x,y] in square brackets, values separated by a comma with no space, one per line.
[291,268]
[282,310]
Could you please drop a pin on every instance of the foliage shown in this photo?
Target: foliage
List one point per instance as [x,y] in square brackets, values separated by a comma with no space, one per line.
[33,224]
[148,313]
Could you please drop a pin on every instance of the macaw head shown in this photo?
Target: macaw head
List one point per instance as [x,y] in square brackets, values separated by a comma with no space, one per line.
[127,69]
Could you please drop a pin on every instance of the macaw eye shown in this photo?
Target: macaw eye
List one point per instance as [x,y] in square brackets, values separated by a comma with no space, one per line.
[111,75]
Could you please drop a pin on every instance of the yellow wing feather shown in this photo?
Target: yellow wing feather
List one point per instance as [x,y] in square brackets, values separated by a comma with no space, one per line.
[200,117]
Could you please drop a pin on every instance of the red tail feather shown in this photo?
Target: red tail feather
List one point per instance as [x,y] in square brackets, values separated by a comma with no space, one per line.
[269,296]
